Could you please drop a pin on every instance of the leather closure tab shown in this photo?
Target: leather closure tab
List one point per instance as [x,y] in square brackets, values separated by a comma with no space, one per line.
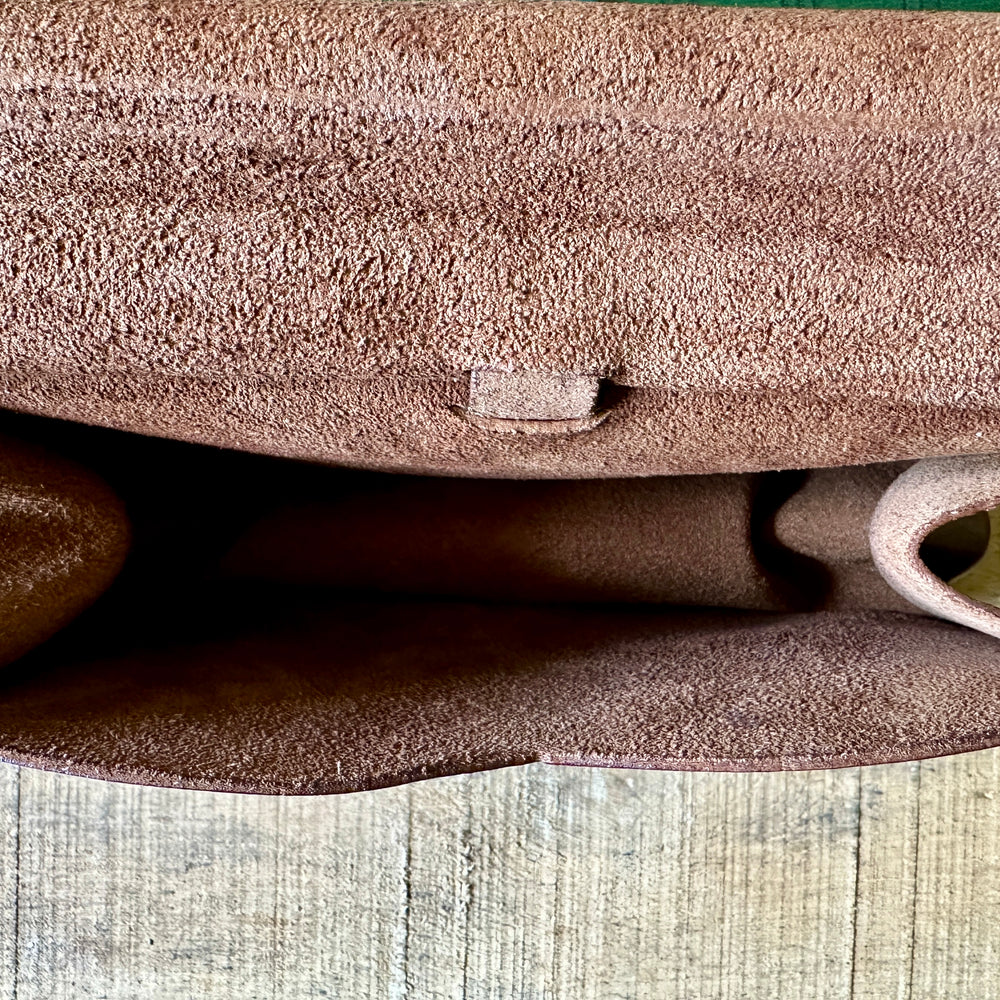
[536,402]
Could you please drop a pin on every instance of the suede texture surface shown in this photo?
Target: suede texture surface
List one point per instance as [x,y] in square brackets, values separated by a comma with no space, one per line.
[680,540]
[928,494]
[826,523]
[769,543]
[298,227]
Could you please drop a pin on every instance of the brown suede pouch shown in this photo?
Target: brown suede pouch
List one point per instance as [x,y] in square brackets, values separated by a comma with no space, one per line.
[669,299]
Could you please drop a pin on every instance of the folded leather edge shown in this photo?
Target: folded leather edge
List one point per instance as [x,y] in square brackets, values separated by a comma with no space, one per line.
[930,493]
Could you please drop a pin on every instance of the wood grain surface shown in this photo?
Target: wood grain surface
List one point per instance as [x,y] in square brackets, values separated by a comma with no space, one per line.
[533,882]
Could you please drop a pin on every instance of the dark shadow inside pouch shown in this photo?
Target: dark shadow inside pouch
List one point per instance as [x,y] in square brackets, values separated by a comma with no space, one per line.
[956,546]
[286,628]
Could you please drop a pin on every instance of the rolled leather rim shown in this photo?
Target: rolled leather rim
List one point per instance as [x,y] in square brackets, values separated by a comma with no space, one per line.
[930,493]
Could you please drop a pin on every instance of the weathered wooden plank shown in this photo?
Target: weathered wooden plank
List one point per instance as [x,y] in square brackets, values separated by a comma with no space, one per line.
[438,887]
[9,791]
[339,882]
[757,897]
[596,883]
[130,892]
[530,882]
[956,945]
[887,876]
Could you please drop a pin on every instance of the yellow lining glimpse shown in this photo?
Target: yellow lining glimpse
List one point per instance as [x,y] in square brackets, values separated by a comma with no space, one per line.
[981,581]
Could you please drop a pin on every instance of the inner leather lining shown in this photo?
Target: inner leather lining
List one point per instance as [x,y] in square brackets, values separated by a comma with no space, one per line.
[281,627]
